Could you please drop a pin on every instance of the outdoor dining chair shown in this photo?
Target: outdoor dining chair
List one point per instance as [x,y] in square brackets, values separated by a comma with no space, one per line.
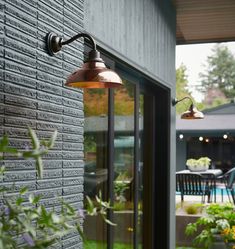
[227,182]
[193,184]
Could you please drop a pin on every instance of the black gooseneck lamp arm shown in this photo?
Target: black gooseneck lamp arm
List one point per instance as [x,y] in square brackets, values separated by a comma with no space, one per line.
[176,101]
[55,44]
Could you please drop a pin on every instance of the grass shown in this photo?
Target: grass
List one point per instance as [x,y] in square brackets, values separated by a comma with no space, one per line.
[92,244]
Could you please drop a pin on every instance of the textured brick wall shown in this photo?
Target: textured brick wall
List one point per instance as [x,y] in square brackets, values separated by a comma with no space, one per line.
[32,94]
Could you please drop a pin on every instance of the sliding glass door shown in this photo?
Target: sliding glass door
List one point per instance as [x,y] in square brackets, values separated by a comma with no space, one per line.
[119,151]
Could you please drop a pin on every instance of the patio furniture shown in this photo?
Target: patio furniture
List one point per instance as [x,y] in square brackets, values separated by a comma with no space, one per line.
[227,183]
[210,176]
[193,184]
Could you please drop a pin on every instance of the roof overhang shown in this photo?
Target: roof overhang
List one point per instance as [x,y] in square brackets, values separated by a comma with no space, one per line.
[201,21]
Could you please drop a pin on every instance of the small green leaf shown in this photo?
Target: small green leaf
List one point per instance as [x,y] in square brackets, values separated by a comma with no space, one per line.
[39,167]
[34,139]
[4,142]
[23,190]
[51,142]
[19,201]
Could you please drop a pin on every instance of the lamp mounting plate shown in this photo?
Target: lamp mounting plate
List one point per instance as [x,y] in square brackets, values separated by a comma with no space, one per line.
[53,43]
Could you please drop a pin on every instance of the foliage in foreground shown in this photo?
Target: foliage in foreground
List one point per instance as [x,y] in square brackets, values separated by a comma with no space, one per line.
[220,220]
[24,221]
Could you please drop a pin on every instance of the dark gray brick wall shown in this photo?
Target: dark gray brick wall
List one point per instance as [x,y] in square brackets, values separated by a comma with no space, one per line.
[32,93]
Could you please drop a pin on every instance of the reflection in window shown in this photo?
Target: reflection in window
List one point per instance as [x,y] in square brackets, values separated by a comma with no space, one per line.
[124,165]
[95,159]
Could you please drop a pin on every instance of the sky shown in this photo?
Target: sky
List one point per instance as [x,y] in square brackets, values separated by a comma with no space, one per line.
[193,57]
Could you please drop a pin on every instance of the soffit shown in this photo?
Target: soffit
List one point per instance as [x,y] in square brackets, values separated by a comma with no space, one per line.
[200,21]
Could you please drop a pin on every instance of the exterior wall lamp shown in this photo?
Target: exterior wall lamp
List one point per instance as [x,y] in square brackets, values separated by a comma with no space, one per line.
[94,73]
[192,112]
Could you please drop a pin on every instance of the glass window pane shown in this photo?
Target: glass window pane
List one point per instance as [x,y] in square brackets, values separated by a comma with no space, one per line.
[95,154]
[124,106]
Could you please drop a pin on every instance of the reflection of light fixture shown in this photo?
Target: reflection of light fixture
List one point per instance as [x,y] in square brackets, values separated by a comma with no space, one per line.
[225,136]
[94,73]
[192,112]
[207,140]
[200,138]
[181,136]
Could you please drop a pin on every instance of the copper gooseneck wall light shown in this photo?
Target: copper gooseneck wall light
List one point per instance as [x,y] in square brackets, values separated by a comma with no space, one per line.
[94,73]
[192,112]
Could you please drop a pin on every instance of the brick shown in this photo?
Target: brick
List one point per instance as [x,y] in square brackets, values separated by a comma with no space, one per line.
[52,5]
[49,193]
[49,117]
[72,190]
[16,132]
[47,10]
[18,57]
[74,164]
[73,112]
[17,186]
[72,59]
[73,181]
[50,107]
[73,121]
[73,9]
[55,164]
[73,198]
[49,69]
[46,135]
[72,138]
[19,112]
[19,176]
[19,143]
[71,242]
[17,68]
[49,59]
[17,35]
[18,101]
[53,155]
[49,98]
[20,122]
[20,15]
[20,80]
[18,90]
[48,184]
[52,174]
[72,94]
[52,202]
[72,103]
[75,25]
[49,88]
[72,129]
[72,155]
[45,77]
[49,126]
[72,146]
[23,7]
[14,23]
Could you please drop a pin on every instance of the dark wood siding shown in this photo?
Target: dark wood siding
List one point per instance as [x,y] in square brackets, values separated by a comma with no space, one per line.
[142,32]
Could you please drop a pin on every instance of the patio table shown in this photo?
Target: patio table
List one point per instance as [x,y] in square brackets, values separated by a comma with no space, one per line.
[210,174]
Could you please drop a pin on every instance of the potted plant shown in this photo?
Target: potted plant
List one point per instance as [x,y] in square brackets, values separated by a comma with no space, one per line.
[200,164]
[218,227]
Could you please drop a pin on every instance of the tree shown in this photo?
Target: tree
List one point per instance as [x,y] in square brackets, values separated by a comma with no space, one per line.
[182,88]
[220,71]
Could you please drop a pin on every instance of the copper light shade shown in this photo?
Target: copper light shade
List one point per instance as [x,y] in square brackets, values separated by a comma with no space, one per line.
[192,112]
[94,73]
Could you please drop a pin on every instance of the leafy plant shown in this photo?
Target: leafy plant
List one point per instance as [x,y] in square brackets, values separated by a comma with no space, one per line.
[24,222]
[217,220]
